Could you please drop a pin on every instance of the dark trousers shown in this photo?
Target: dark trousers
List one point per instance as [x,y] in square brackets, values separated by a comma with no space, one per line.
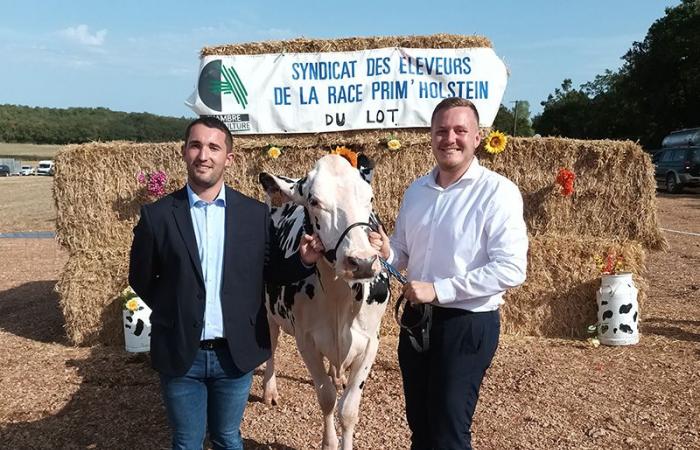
[441,386]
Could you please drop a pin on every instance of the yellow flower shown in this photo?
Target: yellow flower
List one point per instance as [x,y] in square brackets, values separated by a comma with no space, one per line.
[132,305]
[496,142]
[394,144]
[274,152]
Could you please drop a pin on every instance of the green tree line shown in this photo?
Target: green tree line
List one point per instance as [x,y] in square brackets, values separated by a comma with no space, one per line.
[656,91]
[24,124]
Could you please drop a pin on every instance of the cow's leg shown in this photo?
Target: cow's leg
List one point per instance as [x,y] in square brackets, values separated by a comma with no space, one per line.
[325,392]
[349,406]
[270,395]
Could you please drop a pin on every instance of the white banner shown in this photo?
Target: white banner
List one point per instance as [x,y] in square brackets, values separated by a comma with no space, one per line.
[368,89]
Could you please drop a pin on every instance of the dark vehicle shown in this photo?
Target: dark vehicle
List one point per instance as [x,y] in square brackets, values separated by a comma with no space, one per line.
[677,167]
[4,170]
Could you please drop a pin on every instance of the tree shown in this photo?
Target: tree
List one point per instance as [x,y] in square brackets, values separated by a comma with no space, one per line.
[566,113]
[657,90]
[77,125]
[504,120]
[661,75]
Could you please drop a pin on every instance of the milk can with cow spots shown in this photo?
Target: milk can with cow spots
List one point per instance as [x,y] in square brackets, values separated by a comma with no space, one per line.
[618,310]
[137,325]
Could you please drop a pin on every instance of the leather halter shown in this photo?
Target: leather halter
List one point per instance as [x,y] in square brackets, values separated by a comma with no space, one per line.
[331,254]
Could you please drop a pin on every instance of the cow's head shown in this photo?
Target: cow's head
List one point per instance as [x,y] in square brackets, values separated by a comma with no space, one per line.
[336,196]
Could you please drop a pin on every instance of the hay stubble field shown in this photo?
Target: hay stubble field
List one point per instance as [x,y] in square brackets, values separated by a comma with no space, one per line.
[28,153]
[539,393]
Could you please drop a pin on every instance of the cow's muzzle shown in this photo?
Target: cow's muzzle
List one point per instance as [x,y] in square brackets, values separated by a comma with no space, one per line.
[362,267]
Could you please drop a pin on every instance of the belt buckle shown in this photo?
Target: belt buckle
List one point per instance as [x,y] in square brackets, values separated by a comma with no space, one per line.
[208,344]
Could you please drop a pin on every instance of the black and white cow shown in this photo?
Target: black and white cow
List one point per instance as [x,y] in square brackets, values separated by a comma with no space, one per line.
[335,313]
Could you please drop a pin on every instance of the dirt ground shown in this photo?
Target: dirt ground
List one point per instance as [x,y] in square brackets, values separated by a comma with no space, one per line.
[539,393]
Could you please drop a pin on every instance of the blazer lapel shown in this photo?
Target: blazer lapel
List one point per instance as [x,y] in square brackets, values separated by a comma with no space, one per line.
[183,219]
[235,223]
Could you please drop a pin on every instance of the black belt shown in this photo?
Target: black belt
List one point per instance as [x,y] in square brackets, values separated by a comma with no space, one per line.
[211,344]
[442,313]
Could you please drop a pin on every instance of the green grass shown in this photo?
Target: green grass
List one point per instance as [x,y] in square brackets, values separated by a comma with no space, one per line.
[28,152]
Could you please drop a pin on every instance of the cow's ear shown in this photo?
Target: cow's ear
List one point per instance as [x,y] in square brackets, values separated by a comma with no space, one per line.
[279,190]
[365,166]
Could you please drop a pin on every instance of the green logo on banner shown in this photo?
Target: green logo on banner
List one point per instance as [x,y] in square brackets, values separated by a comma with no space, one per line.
[231,84]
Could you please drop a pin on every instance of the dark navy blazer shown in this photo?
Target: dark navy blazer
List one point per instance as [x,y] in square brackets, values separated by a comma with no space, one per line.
[166,273]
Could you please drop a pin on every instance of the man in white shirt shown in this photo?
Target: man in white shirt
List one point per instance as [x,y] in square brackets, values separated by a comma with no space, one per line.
[461,236]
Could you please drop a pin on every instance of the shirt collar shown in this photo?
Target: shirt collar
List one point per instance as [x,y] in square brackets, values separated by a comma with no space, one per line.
[195,200]
[473,172]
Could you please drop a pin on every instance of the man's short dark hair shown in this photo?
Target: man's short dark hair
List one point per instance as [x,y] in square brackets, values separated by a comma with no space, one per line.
[454,102]
[211,122]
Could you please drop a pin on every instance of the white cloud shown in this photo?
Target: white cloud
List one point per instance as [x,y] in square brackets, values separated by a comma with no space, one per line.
[81,34]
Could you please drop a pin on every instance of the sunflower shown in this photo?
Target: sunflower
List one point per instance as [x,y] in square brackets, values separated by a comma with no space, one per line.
[274,152]
[346,153]
[496,142]
[393,144]
[132,305]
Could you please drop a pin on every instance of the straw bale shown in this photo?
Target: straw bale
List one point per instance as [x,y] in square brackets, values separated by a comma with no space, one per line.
[96,193]
[558,299]
[98,199]
[304,45]
[88,291]
[615,190]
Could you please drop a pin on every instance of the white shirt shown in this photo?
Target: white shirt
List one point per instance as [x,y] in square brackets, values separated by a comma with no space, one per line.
[468,239]
[209,222]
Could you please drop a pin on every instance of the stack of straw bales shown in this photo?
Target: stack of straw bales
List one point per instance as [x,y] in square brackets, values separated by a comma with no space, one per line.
[613,207]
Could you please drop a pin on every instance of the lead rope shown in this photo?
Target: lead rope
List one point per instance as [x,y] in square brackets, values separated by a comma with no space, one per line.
[426,319]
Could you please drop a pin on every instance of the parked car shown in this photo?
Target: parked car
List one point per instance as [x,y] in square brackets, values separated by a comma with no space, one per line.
[677,167]
[4,170]
[27,170]
[46,168]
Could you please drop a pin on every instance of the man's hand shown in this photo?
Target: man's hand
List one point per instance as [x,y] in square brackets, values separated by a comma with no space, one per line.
[380,242]
[311,249]
[419,292]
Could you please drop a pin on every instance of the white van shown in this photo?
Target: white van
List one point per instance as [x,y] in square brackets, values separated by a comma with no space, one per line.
[46,168]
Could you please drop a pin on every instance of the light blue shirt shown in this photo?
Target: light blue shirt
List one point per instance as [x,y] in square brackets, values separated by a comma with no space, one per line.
[209,222]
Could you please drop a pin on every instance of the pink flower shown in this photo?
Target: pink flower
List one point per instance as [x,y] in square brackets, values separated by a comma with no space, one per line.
[155,182]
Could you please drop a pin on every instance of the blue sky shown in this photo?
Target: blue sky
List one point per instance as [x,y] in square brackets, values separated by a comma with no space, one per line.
[143,56]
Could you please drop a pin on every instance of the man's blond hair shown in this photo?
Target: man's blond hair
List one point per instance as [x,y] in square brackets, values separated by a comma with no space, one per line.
[454,102]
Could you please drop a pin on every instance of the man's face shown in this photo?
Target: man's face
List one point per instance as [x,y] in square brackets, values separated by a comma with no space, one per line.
[455,137]
[206,156]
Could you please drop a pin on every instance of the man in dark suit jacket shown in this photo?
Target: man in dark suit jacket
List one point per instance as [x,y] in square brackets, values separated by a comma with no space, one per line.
[198,259]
